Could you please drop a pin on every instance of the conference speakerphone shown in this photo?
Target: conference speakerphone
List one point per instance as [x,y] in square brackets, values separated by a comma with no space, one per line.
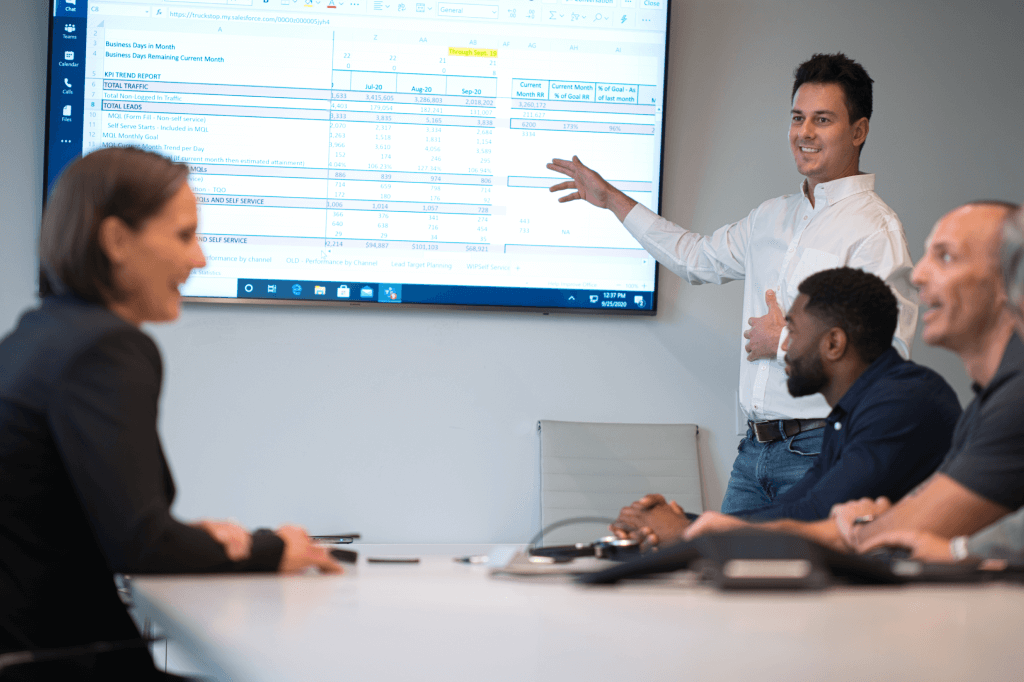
[370,142]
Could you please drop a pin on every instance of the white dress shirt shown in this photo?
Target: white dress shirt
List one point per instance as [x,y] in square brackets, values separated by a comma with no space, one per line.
[778,245]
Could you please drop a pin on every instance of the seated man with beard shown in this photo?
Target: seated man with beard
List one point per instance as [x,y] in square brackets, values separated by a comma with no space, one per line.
[891,420]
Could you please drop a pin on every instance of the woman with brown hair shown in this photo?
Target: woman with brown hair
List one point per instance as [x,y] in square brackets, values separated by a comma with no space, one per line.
[85,491]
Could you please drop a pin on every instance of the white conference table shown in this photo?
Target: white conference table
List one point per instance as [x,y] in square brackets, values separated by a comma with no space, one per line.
[441,620]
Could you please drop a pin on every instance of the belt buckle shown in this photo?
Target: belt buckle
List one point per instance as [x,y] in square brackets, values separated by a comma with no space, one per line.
[762,437]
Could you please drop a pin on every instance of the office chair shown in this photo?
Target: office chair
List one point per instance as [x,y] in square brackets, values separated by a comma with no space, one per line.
[594,469]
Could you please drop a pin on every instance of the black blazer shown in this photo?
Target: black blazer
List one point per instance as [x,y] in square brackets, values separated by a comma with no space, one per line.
[85,491]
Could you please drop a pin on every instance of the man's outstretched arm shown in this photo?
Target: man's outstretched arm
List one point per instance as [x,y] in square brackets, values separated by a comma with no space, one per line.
[940,505]
[823,532]
[590,187]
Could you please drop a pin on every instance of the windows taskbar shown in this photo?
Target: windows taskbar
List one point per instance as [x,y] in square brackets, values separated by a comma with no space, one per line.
[433,294]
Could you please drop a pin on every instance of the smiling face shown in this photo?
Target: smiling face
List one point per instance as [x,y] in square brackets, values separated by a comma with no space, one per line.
[803,351]
[958,278]
[151,263]
[825,144]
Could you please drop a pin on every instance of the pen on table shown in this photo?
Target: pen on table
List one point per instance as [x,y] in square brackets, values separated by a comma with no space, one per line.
[344,539]
[472,559]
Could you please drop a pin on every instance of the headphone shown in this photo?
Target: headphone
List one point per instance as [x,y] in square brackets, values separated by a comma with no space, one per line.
[1012,257]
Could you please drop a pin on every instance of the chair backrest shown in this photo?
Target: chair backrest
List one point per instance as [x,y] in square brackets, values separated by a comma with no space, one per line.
[590,469]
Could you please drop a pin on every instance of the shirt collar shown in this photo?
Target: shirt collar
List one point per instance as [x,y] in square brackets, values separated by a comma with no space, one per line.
[862,386]
[836,190]
[1009,366]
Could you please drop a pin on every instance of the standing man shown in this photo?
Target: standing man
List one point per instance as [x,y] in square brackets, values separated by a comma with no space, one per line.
[835,220]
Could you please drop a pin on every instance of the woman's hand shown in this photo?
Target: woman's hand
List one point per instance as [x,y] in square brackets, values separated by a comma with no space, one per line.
[237,541]
[300,553]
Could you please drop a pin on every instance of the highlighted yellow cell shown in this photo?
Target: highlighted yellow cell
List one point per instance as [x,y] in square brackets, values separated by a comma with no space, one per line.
[471,52]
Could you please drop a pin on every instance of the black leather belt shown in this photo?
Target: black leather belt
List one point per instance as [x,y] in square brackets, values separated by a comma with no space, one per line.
[769,431]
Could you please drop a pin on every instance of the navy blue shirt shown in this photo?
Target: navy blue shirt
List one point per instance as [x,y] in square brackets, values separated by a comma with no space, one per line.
[887,434]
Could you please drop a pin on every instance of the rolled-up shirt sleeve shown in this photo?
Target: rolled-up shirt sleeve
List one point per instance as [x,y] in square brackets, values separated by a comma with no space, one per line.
[697,258]
[104,422]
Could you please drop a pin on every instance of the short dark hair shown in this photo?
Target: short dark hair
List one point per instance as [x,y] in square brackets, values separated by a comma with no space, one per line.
[839,69]
[857,302]
[126,182]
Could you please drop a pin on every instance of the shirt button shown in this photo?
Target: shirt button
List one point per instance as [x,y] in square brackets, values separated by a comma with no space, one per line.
[838,426]
[805,217]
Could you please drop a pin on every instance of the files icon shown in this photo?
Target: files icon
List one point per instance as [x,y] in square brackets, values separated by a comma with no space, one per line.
[319,290]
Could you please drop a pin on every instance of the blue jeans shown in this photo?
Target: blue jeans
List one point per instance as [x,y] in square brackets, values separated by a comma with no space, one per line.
[763,471]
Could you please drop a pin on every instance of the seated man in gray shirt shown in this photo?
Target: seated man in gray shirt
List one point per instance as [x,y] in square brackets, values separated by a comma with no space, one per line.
[1004,539]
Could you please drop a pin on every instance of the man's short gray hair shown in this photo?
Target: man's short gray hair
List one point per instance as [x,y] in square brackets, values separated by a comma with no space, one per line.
[1012,257]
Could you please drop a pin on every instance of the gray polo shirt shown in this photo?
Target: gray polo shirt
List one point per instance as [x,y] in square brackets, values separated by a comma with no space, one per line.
[987,453]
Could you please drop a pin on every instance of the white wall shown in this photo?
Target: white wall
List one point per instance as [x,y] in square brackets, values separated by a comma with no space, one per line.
[420,426]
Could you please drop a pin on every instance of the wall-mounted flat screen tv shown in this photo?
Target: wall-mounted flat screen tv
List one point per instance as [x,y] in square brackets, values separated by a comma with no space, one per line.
[377,152]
